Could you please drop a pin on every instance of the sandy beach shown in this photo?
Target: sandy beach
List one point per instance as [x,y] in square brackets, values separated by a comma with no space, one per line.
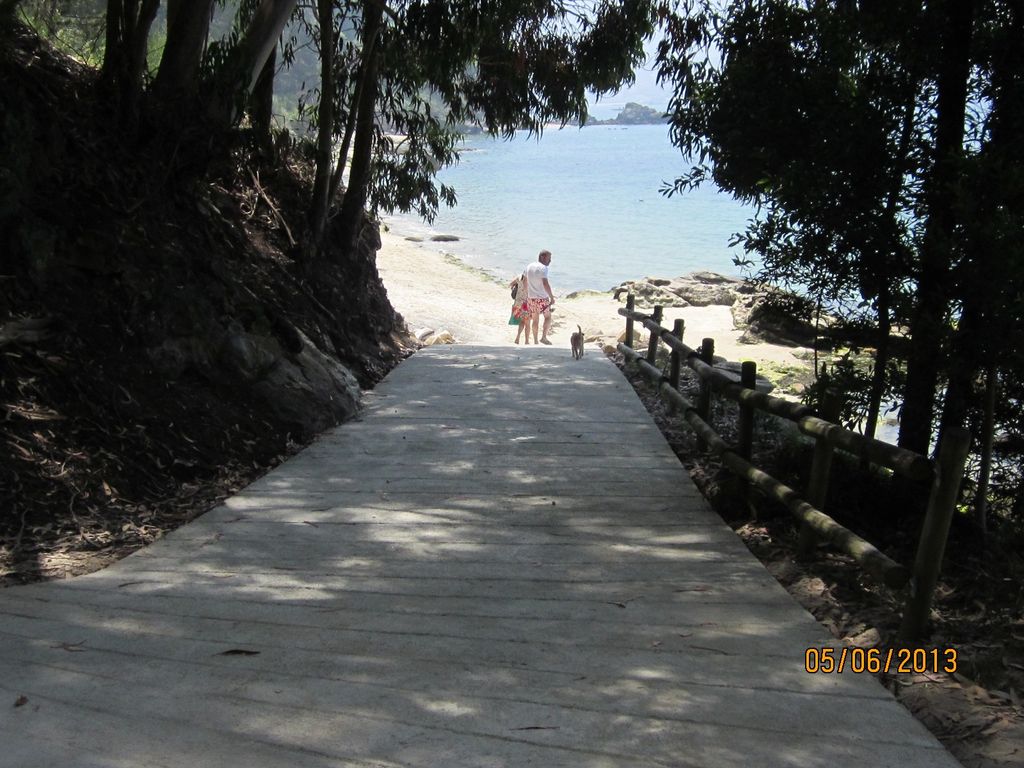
[437,292]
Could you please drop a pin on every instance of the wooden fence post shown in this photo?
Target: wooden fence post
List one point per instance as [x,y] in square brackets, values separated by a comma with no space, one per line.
[745,433]
[630,304]
[949,472]
[676,361]
[748,379]
[707,354]
[821,467]
[652,346]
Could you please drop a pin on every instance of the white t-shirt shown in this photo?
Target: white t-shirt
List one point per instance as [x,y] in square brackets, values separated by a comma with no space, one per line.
[536,273]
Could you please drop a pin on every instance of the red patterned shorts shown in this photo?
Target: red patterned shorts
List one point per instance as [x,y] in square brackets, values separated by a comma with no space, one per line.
[538,306]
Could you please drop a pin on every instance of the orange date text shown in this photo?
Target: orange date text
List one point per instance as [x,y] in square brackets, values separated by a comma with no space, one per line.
[876,660]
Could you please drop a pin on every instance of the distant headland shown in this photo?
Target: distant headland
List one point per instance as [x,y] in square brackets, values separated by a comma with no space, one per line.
[633,114]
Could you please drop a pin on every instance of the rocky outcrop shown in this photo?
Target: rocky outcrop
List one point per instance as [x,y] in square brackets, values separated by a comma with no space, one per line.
[295,383]
[764,314]
[774,317]
[699,289]
[428,337]
[634,114]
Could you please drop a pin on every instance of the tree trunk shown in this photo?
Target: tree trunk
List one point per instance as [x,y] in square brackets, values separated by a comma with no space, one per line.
[325,123]
[351,214]
[985,284]
[112,50]
[929,324]
[353,112]
[174,7]
[878,376]
[350,124]
[890,249]
[187,31]
[260,39]
[7,9]
[139,44]
[964,358]
[124,60]
[241,72]
[987,439]
[261,107]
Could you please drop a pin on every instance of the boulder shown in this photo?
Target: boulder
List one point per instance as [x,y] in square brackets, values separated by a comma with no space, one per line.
[774,317]
[699,289]
[306,390]
[442,337]
[641,339]
[310,390]
[249,355]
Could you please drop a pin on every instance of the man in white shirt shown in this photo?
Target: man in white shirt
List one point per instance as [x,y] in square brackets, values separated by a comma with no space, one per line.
[540,297]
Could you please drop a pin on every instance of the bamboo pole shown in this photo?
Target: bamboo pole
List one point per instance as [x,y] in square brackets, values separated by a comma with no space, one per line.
[931,547]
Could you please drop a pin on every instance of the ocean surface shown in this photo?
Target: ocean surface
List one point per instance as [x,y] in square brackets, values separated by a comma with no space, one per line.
[591,197]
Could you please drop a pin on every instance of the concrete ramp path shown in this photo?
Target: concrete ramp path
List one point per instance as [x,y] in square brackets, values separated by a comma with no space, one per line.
[499,564]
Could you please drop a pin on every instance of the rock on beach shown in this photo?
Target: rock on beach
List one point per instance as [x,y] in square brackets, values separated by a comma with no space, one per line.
[764,314]
[699,289]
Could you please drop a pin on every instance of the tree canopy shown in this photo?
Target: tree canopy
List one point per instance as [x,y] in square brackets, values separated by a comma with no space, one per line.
[866,133]
[415,69]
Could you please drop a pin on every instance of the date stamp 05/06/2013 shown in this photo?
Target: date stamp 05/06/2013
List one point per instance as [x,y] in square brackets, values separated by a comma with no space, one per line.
[874,660]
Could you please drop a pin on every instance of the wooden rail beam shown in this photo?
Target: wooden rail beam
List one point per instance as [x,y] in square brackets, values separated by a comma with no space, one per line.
[879,565]
[899,460]
[947,474]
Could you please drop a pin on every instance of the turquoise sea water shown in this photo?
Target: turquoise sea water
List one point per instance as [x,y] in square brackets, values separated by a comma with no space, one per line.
[592,198]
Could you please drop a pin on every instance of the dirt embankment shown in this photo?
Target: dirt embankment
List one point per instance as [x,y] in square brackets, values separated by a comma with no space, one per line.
[163,338]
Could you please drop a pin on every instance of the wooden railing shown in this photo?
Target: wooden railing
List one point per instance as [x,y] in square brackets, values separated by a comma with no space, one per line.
[943,476]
